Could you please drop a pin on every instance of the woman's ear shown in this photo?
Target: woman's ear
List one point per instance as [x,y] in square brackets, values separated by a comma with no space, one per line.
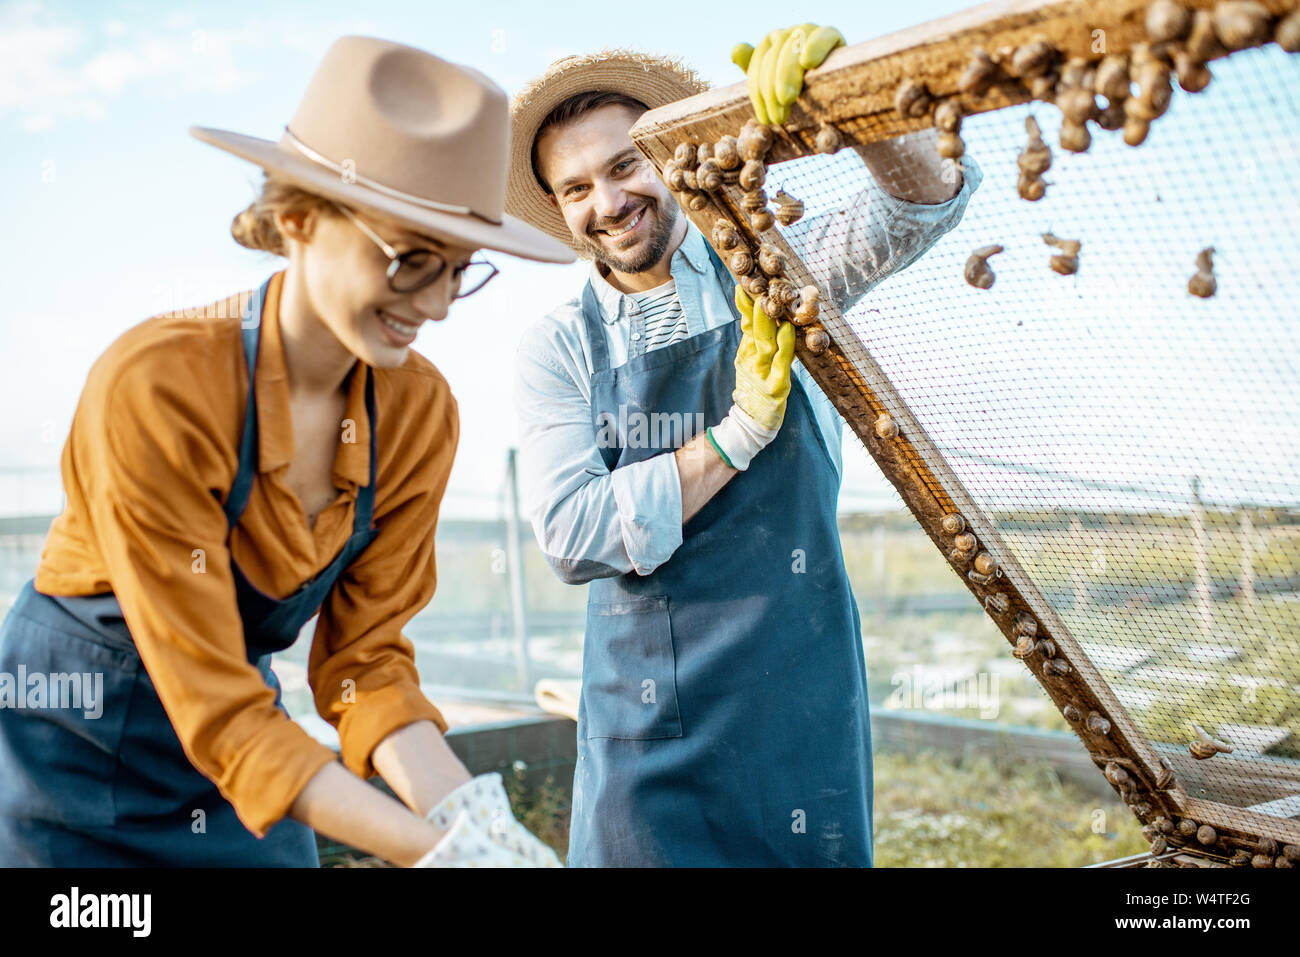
[298,224]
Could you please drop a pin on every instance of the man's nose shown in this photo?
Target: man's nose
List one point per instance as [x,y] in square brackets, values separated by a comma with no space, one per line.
[610,199]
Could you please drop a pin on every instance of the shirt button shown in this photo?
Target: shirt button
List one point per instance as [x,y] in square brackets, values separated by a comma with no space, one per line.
[636,335]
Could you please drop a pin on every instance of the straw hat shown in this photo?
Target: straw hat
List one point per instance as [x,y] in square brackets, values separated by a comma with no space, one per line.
[392,129]
[653,80]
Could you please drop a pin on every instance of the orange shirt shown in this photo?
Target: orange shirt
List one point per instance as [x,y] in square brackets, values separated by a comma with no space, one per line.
[151,457]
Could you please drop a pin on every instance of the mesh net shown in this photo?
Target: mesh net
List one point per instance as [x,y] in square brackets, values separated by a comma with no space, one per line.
[1134,446]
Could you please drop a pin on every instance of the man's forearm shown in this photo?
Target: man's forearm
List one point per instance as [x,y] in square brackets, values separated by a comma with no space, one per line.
[910,168]
[702,472]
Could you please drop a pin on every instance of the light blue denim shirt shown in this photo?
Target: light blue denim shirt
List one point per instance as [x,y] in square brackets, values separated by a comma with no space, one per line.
[593,523]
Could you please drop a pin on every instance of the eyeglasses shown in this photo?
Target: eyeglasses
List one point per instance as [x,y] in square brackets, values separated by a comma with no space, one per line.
[417,268]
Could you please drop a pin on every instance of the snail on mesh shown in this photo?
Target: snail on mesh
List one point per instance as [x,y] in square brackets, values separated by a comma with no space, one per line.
[1111,80]
[762,221]
[965,543]
[828,139]
[1025,624]
[1078,106]
[725,235]
[1066,262]
[953,523]
[1206,834]
[1151,74]
[912,99]
[979,75]
[984,563]
[1203,283]
[1056,666]
[805,313]
[1287,33]
[703,152]
[1034,160]
[788,209]
[727,152]
[754,141]
[977,271]
[886,427]
[1071,713]
[1046,647]
[1205,747]
[817,340]
[1241,24]
[1190,57]
[947,119]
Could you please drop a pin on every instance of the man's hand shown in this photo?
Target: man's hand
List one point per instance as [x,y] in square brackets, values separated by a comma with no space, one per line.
[762,363]
[775,70]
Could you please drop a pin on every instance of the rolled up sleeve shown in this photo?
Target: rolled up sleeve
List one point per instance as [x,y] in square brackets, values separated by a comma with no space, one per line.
[362,667]
[145,451]
[589,523]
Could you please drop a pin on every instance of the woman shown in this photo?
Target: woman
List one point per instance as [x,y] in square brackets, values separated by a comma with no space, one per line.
[229,476]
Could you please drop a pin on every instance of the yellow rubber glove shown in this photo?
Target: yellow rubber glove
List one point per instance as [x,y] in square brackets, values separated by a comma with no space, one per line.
[762,363]
[775,69]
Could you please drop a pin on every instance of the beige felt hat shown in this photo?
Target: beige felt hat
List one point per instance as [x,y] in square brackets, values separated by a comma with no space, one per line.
[390,128]
[653,80]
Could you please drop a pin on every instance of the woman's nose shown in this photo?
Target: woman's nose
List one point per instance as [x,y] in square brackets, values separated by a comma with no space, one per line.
[433,301]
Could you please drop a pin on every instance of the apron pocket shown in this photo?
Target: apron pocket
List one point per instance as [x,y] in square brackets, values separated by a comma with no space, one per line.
[629,684]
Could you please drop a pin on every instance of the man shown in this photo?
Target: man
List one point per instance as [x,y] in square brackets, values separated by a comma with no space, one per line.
[723,717]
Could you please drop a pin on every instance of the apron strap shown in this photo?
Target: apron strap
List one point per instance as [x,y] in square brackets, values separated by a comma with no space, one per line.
[250,326]
[725,279]
[595,329]
[365,508]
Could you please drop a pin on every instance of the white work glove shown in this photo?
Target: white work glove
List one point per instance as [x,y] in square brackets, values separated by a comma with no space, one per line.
[739,438]
[482,830]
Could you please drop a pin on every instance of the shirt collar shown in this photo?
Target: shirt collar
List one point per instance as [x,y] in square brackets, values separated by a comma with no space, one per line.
[613,304]
[274,417]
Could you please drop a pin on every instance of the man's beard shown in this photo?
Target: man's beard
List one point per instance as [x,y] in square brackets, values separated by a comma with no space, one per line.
[649,256]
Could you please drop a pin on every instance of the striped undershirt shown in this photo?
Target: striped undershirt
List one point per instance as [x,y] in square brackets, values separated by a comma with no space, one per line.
[665,323]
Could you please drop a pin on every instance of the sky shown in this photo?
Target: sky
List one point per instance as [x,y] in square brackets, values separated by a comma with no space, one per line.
[113,212]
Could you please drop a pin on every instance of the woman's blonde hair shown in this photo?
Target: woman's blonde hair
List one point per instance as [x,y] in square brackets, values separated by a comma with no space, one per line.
[255,226]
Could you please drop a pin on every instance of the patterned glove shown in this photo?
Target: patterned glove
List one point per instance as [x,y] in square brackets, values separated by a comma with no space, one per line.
[485,806]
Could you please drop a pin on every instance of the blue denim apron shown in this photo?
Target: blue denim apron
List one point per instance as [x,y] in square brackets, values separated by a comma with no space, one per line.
[723,718]
[117,789]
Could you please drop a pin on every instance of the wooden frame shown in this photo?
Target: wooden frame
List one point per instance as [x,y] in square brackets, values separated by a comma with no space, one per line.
[854,92]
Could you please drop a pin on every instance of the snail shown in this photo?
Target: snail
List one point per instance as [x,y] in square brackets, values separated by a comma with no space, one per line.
[828,139]
[912,99]
[703,152]
[1033,59]
[1077,105]
[686,156]
[1167,21]
[806,312]
[770,260]
[977,271]
[1042,87]
[950,146]
[1159,844]
[1206,834]
[1024,647]
[788,209]
[725,235]
[1267,846]
[1033,161]
[755,140]
[1151,75]
[1116,775]
[1203,283]
[817,340]
[1111,79]
[1287,33]
[1165,780]
[1205,746]
[709,175]
[947,119]
[979,75]
[1071,713]
[1025,624]
[1193,75]
[984,563]
[1097,724]
[741,262]
[1187,827]
[751,201]
[886,427]
[1190,57]
[980,579]
[674,177]
[1075,136]
[1056,666]
[774,306]
[1066,262]
[965,543]
[997,603]
[754,283]
[1261,860]
[953,523]
[1163,825]
[1046,647]
[762,221]
[688,177]
[727,153]
[1240,24]
[782,291]
[696,202]
[752,175]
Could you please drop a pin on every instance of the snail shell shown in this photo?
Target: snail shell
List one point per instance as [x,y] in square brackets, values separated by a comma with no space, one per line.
[741,262]
[817,340]
[1097,724]
[1075,137]
[977,271]
[697,202]
[774,306]
[1056,666]
[1261,860]
[752,175]
[1291,852]
[755,140]
[1168,21]
[1036,158]
[1203,44]
[1163,825]
[1112,117]
[947,116]
[770,260]
[709,175]
[979,74]
[828,139]
[1165,780]
[1241,24]
[1112,80]
[703,152]
[1203,284]
[762,221]
[753,200]
[1135,129]
[1193,75]
[984,563]
[1031,187]
[1024,647]
[692,184]
[912,99]
[1267,846]
[686,156]
[1206,834]
[727,153]
[886,427]
[1114,773]
[1159,844]
[964,542]
[788,209]
[1046,647]
[1287,33]
[806,312]
[725,235]
[1025,624]
[1032,59]
[953,523]
[1078,105]
[782,290]
[754,283]
[674,177]
[950,146]
[1187,827]
[1071,713]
